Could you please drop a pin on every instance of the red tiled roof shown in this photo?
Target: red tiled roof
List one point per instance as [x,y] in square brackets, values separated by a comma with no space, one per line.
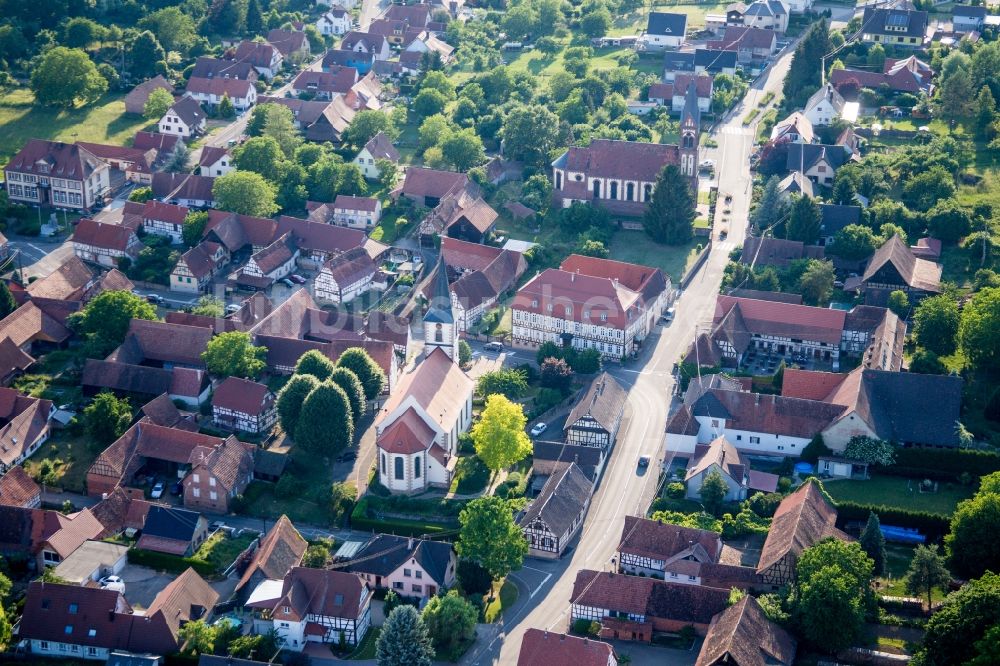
[243,395]
[29,323]
[801,520]
[407,434]
[422,182]
[437,385]
[350,267]
[212,154]
[743,635]
[785,319]
[187,597]
[650,538]
[235,88]
[552,649]
[463,255]
[154,140]
[347,202]
[164,212]
[12,358]
[280,550]
[589,300]
[17,488]
[338,80]
[702,84]
[99,234]
[810,384]
[629,160]
[66,283]
[689,604]
[53,159]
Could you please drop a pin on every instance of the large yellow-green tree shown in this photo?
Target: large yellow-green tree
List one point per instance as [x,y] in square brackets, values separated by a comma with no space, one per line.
[499,435]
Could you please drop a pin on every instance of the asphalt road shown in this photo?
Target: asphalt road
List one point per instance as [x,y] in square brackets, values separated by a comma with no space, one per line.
[624,488]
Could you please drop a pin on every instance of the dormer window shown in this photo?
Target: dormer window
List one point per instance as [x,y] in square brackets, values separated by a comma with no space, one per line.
[286,610]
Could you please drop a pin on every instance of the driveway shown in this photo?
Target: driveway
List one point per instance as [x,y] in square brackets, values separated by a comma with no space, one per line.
[143,584]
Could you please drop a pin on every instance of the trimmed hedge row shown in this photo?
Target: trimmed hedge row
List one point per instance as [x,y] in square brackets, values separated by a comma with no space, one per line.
[942,464]
[169,563]
[361,520]
[933,525]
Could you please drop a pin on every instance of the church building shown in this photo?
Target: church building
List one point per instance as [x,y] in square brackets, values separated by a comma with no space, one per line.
[418,427]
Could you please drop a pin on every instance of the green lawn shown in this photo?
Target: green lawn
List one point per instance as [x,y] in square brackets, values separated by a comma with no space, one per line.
[102,122]
[898,562]
[899,492]
[635,247]
[367,648]
[504,600]
[70,458]
[221,550]
[471,475]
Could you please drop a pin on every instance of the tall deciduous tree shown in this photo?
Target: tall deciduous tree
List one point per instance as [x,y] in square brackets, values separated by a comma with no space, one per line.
[972,544]
[246,193]
[290,400]
[325,425]
[157,104]
[816,282]
[194,227]
[713,492]
[107,417]
[530,133]
[490,537]
[979,330]
[347,380]
[404,640]
[804,220]
[366,124]
[854,242]
[226,108]
[873,542]
[771,206]
[935,324]
[670,213]
[507,381]
[499,434]
[232,354]
[372,377]
[105,320]
[315,363]
[196,637]
[450,620]
[64,77]
[928,570]
[962,620]
[144,55]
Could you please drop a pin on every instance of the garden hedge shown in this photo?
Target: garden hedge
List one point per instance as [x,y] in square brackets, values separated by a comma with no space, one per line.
[933,525]
[169,563]
[942,464]
[362,520]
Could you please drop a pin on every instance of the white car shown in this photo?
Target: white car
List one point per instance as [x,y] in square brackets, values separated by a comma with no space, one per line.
[114,583]
[707,165]
[538,429]
[157,491]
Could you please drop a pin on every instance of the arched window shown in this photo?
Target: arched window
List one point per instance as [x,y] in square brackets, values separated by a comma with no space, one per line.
[416,467]
[398,464]
[614,190]
[630,192]
[559,178]
[383,464]
[647,191]
[438,333]
[597,189]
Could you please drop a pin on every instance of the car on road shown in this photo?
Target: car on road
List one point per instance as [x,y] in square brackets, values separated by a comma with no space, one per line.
[157,491]
[539,429]
[286,282]
[707,165]
[493,347]
[296,278]
[729,198]
[643,462]
[114,583]
[347,456]
[154,298]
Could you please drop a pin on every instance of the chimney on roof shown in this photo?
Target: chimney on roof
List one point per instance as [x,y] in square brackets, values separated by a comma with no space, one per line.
[409,543]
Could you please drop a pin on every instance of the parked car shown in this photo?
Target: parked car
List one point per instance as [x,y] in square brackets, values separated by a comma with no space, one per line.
[347,456]
[296,278]
[157,491]
[233,308]
[114,583]
[493,347]
[539,429]
[286,282]
[707,165]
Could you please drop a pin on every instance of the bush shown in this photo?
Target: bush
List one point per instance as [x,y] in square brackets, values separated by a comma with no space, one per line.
[472,578]
[676,490]
[169,563]
[765,504]
[361,520]
[942,464]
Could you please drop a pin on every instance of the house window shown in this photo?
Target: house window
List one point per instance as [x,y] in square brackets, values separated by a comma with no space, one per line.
[211,481]
[196,492]
[400,472]
[417,588]
[73,608]
[44,645]
[197,479]
[754,440]
[286,610]
[383,463]
[418,574]
[438,333]
[212,495]
[407,573]
[614,190]
[398,585]
[91,652]
[416,467]
[69,629]
[92,633]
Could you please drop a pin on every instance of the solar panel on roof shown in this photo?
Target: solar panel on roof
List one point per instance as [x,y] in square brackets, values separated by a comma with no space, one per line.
[898,19]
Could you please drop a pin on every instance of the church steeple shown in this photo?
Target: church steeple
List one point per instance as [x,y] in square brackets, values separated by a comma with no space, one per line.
[690,128]
[439,320]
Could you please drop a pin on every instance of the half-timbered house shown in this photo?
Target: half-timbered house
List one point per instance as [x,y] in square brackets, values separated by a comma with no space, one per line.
[742,635]
[344,277]
[195,269]
[895,267]
[597,415]
[240,404]
[556,515]
[667,551]
[104,244]
[316,606]
[416,568]
[269,264]
[164,219]
[803,519]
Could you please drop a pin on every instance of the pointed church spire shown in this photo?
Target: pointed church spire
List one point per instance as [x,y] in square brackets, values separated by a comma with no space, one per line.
[439,306]
[691,110]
